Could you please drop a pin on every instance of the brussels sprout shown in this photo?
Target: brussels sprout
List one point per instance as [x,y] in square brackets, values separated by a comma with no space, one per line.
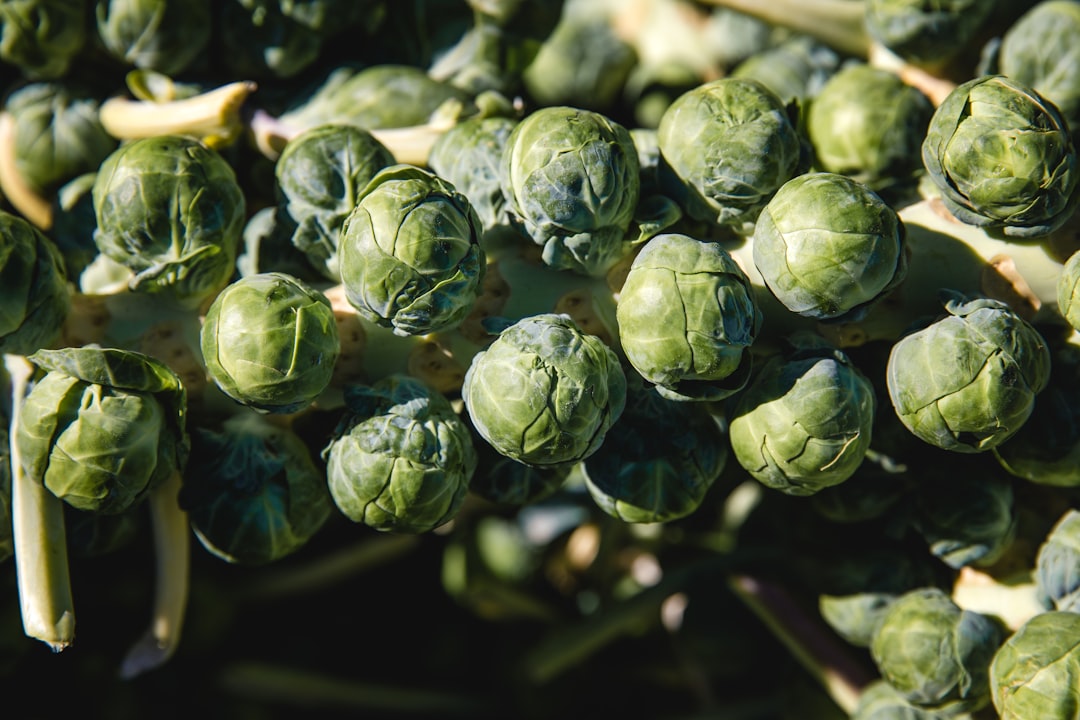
[400,459]
[804,422]
[162,35]
[270,342]
[584,63]
[1040,50]
[687,317]
[726,146]
[468,155]
[320,174]
[866,123]
[934,653]
[102,427]
[171,210]
[57,134]
[544,392]
[1035,672]
[862,584]
[1001,156]
[252,491]
[967,520]
[571,181]
[1046,448]
[880,701]
[42,37]
[967,381]
[1057,565]
[259,41]
[795,69]
[659,460]
[1068,290]
[828,247]
[410,254]
[34,295]
[926,33]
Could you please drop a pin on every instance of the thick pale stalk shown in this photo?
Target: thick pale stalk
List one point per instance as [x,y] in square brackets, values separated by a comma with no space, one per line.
[840,24]
[34,207]
[172,547]
[213,116]
[41,559]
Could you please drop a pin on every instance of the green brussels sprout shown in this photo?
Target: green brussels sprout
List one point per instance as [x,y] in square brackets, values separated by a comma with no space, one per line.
[401,458]
[270,341]
[935,654]
[687,317]
[828,247]
[967,520]
[571,180]
[880,701]
[410,254]
[726,147]
[320,174]
[259,41]
[926,33]
[967,381]
[162,35]
[544,392]
[1040,50]
[861,585]
[42,37]
[659,460]
[1001,157]
[252,491]
[1057,565]
[795,69]
[1046,448]
[1034,673]
[468,156]
[867,123]
[583,63]
[171,210]
[102,427]
[57,134]
[328,17]
[804,421]
[34,296]
[1068,290]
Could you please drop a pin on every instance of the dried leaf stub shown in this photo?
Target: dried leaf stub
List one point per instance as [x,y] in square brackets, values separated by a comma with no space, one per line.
[436,366]
[1001,280]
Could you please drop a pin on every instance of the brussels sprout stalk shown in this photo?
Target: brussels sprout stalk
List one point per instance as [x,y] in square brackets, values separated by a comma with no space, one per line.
[841,24]
[837,23]
[31,205]
[173,557]
[41,559]
[212,116]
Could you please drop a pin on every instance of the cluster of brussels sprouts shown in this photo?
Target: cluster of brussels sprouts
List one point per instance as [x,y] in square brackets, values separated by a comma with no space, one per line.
[271,291]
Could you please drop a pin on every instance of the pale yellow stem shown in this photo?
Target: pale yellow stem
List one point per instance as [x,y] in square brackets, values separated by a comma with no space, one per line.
[41,559]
